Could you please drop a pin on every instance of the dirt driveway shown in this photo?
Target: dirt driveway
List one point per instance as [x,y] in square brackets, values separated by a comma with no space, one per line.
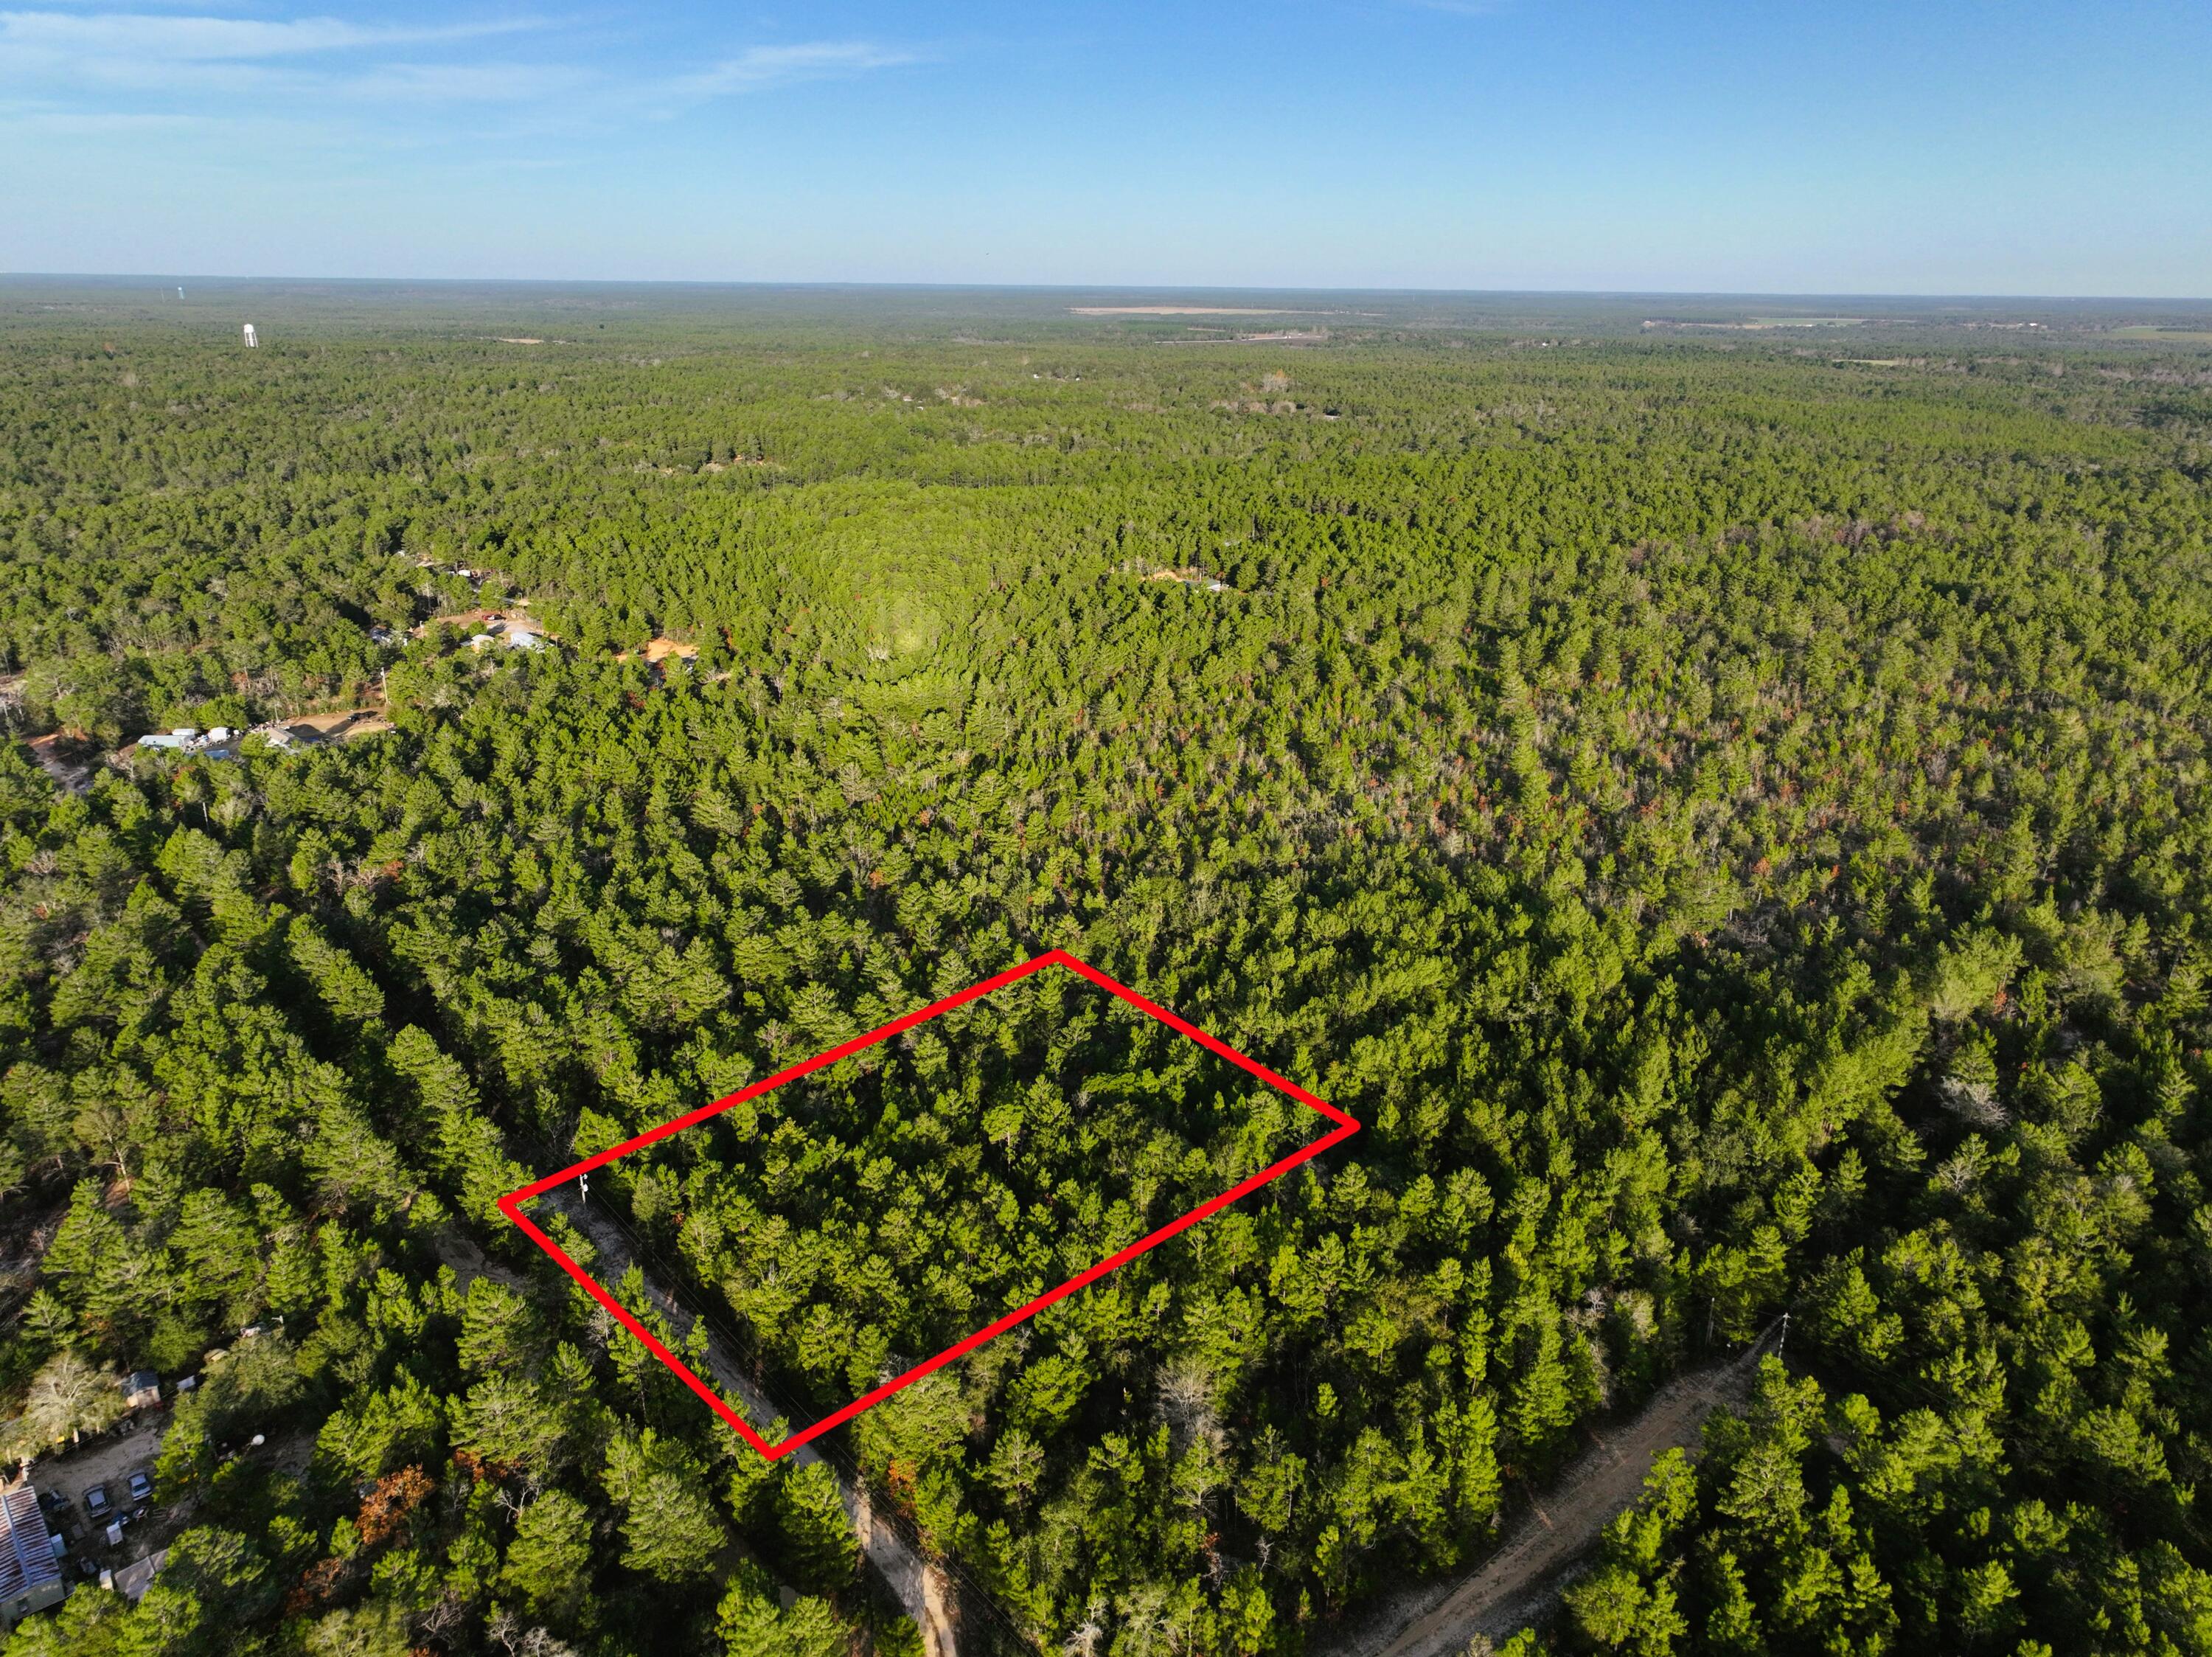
[102,1460]
[108,1461]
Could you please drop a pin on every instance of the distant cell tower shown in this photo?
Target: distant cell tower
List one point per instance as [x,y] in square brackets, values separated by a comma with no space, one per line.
[251,339]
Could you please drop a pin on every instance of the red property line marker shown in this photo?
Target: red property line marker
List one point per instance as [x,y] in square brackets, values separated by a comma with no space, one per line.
[511,1204]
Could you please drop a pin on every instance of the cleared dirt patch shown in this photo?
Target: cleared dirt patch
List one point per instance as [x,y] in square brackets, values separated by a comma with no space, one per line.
[472,619]
[61,760]
[110,1460]
[1193,577]
[345,726]
[331,723]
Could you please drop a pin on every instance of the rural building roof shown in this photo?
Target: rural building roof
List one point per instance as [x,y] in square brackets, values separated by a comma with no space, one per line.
[131,1580]
[26,1557]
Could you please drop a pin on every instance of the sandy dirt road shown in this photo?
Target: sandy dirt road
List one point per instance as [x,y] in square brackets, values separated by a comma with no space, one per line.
[1515,1585]
[915,1581]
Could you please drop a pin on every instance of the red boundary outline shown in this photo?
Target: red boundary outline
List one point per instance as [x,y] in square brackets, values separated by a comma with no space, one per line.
[511,1204]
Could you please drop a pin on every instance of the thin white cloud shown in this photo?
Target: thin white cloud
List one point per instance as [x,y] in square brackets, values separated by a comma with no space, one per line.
[71,123]
[176,61]
[141,36]
[112,67]
[467,83]
[757,69]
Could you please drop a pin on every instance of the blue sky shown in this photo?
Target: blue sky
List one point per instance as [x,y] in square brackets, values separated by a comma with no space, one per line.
[1777,147]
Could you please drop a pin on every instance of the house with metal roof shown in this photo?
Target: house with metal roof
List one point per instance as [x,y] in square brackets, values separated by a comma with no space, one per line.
[30,1574]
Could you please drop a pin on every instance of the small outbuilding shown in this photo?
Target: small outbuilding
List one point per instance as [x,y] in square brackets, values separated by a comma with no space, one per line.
[131,1580]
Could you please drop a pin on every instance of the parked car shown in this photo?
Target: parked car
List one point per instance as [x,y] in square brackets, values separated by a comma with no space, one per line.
[142,1485]
[52,1503]
[96,1501]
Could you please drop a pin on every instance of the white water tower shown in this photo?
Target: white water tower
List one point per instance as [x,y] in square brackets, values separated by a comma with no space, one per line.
[250,340]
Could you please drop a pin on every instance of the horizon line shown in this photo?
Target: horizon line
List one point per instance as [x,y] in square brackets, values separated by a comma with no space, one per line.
[838,284]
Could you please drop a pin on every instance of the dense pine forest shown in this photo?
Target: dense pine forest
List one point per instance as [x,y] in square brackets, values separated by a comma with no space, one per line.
[1727,810]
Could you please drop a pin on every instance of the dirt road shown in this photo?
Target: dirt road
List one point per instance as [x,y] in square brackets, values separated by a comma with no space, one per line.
[918,1586]
[1515,1585]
